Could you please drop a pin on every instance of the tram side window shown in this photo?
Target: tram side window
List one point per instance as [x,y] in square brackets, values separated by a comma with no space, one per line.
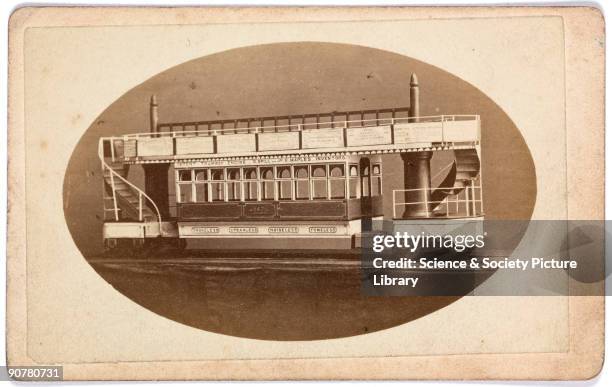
[267,183]
[301,182]
[201,185]
[337,183]
[184,186]
[233,184]
[376,179]
[250,184]
[217,185]
[365,181]
[353,181]
[319,181]
[283,173]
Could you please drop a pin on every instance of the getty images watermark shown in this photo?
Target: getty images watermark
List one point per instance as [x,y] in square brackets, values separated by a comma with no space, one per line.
[32,374]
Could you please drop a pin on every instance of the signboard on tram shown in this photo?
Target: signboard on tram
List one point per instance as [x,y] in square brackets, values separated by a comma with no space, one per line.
[369,135]
[278,141]
[323,138]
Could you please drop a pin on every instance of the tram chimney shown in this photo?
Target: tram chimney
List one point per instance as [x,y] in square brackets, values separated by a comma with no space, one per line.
[414,98]
[153,114]
[417,166]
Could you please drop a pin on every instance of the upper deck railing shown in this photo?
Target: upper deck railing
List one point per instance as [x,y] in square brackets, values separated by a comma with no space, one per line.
[208,129]
[308,121]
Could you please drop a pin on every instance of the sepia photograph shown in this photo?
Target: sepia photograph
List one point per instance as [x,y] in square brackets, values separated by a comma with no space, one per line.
[305,193]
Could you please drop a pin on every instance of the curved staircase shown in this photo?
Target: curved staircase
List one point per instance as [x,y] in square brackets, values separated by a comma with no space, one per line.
[464,170]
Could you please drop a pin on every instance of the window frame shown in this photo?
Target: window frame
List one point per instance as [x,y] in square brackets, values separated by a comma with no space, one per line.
[324,179]
[331,179]
[297,179]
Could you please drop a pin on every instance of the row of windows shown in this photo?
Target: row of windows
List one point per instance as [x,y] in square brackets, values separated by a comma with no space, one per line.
[267,173]
[300,182]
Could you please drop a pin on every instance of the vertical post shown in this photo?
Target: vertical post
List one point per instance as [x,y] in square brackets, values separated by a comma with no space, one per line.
[225,185]
[415,108]
[328,181]
[300,129]
[243,184]
[209,185]
[153,116]
[140,206]
[473,199]
[111,142]
[480,195]
[292,181]
[310,183]
[177,187]
[347,186]
[112,176]
[259,183]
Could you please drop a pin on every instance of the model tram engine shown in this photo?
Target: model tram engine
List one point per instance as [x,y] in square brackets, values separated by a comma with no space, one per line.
[312,181]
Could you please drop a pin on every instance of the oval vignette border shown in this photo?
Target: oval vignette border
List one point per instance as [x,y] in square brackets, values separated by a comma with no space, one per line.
[290,79]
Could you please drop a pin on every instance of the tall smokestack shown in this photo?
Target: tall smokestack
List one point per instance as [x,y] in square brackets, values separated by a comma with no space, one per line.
[417,167]
[153,114]
[414,97]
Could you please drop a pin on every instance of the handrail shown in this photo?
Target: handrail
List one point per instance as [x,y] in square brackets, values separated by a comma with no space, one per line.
[430,189]
[469,199]
[130,184]
[339,124]
[318,116]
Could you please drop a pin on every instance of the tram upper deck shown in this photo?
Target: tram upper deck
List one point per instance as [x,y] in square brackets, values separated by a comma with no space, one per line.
[356,132]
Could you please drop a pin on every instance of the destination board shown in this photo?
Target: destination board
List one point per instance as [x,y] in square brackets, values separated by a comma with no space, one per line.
[236,143]
[278,141]
[371,135]
[262,229]
[194,145]
[162,146]
[323,138]
[420,132]
[261,160]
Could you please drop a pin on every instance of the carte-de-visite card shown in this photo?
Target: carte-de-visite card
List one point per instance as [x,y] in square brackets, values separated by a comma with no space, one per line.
[306,193]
